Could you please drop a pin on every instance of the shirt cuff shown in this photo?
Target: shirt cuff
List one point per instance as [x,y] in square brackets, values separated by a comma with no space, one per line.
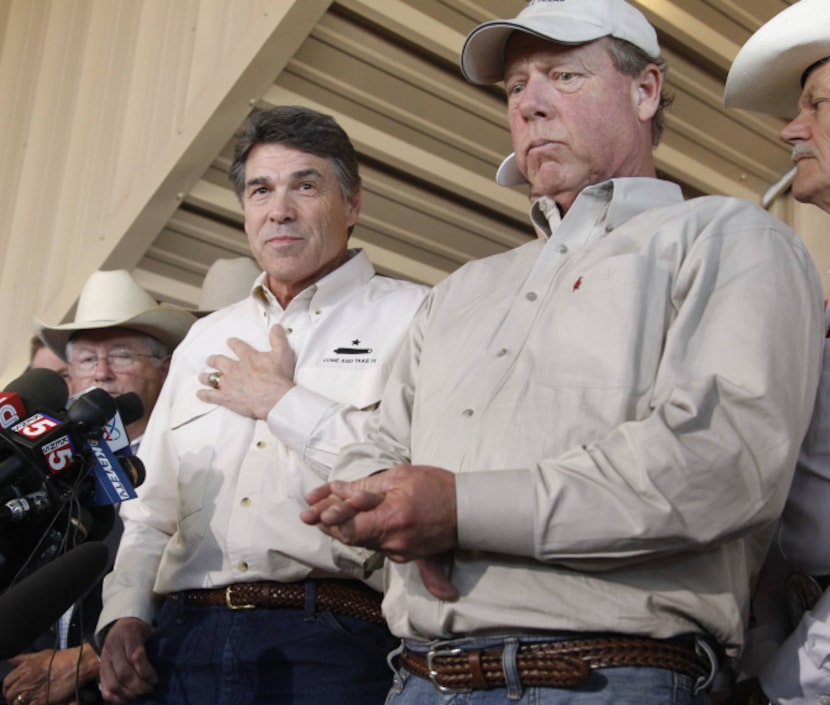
[495,512]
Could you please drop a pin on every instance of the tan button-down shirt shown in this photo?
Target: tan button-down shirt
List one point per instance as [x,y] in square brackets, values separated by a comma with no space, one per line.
[622,403]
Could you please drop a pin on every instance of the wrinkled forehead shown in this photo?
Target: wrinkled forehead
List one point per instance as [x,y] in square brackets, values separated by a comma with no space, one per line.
[108,339]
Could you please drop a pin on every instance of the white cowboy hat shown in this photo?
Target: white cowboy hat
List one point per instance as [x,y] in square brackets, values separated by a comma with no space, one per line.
[115,300]
[227,281]
[766,74]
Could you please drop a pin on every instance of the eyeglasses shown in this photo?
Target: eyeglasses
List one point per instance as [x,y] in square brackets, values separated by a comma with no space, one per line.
[118,361]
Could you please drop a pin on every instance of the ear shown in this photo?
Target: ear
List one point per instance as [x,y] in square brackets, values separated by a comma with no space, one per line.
[645,92]
[164,366]
[353,209]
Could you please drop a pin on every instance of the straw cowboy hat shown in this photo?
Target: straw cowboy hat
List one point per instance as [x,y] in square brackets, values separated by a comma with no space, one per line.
[226,282]
[766,74]
[115,300]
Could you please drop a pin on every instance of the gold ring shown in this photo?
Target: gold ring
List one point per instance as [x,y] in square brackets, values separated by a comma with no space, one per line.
[21,700]
[213,379]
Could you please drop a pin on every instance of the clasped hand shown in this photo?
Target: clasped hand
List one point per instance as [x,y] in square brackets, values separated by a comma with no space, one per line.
[407,512]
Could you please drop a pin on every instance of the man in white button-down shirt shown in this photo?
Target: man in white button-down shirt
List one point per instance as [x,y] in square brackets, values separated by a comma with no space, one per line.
[587,441]
[257,607]
[784,70]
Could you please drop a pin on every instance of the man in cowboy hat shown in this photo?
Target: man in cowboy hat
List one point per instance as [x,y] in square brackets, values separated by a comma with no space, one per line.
[120,340]
[220,593]
[784,70]
[572,469]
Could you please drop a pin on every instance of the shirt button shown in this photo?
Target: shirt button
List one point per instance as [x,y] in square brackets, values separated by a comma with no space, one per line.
[467,412]
[317,312]
[289,331]
[562,249]
[531,296]
[246,502]
[502,352]
[243,566]
[261,444]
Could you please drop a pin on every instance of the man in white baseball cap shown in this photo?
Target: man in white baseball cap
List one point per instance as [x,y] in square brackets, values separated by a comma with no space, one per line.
[586,443]
[784,70]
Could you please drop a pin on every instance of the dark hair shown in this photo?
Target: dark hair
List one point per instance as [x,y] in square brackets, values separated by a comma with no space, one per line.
[300,128]
[35,344]
[811,68]
[630,60]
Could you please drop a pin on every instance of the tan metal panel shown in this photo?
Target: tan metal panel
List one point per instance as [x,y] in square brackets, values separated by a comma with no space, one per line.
[125,112]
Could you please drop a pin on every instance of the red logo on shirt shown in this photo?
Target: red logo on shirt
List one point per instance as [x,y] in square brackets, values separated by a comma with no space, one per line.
[577,284]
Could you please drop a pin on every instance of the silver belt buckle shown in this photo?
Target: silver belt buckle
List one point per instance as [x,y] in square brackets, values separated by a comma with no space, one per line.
[434,653]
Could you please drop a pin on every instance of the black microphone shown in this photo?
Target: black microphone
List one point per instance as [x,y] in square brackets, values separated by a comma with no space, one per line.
[30,607]
[40,388]
[130,407]
[91,411]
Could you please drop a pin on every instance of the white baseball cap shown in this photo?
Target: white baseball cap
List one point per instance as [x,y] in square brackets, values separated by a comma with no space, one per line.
[563,21]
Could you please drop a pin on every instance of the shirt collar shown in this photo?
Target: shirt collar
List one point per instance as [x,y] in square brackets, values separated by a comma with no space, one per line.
[621,199]
[353,273]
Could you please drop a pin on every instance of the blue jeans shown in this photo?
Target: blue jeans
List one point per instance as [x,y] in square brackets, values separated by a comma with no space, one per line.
[605,686]
[213,655]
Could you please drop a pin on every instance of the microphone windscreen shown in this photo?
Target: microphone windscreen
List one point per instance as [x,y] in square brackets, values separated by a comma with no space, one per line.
[28,608]
[92,410]
[130,408]
[40,388]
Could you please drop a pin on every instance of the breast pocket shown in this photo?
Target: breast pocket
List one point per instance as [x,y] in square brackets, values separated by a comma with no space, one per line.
[609,331]
[350,383]
[195,429]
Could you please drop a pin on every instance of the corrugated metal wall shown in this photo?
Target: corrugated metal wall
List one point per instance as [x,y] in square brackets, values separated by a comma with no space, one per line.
[118,116]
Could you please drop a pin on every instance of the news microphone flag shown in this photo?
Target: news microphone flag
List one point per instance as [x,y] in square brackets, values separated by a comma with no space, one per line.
[11,409]
[111,482]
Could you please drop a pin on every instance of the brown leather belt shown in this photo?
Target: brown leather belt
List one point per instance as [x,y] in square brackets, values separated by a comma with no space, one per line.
[350,598]
[557,664]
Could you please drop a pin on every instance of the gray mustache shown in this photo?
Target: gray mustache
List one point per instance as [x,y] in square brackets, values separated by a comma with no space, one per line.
[803,150]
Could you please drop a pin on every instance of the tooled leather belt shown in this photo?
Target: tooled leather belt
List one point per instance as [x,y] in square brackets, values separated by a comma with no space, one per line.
[561,664]
[350,598]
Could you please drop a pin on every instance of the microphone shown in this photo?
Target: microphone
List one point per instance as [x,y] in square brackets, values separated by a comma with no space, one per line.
[96,409]
[91,411]
[47,441]
[30,607]
[40,388]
